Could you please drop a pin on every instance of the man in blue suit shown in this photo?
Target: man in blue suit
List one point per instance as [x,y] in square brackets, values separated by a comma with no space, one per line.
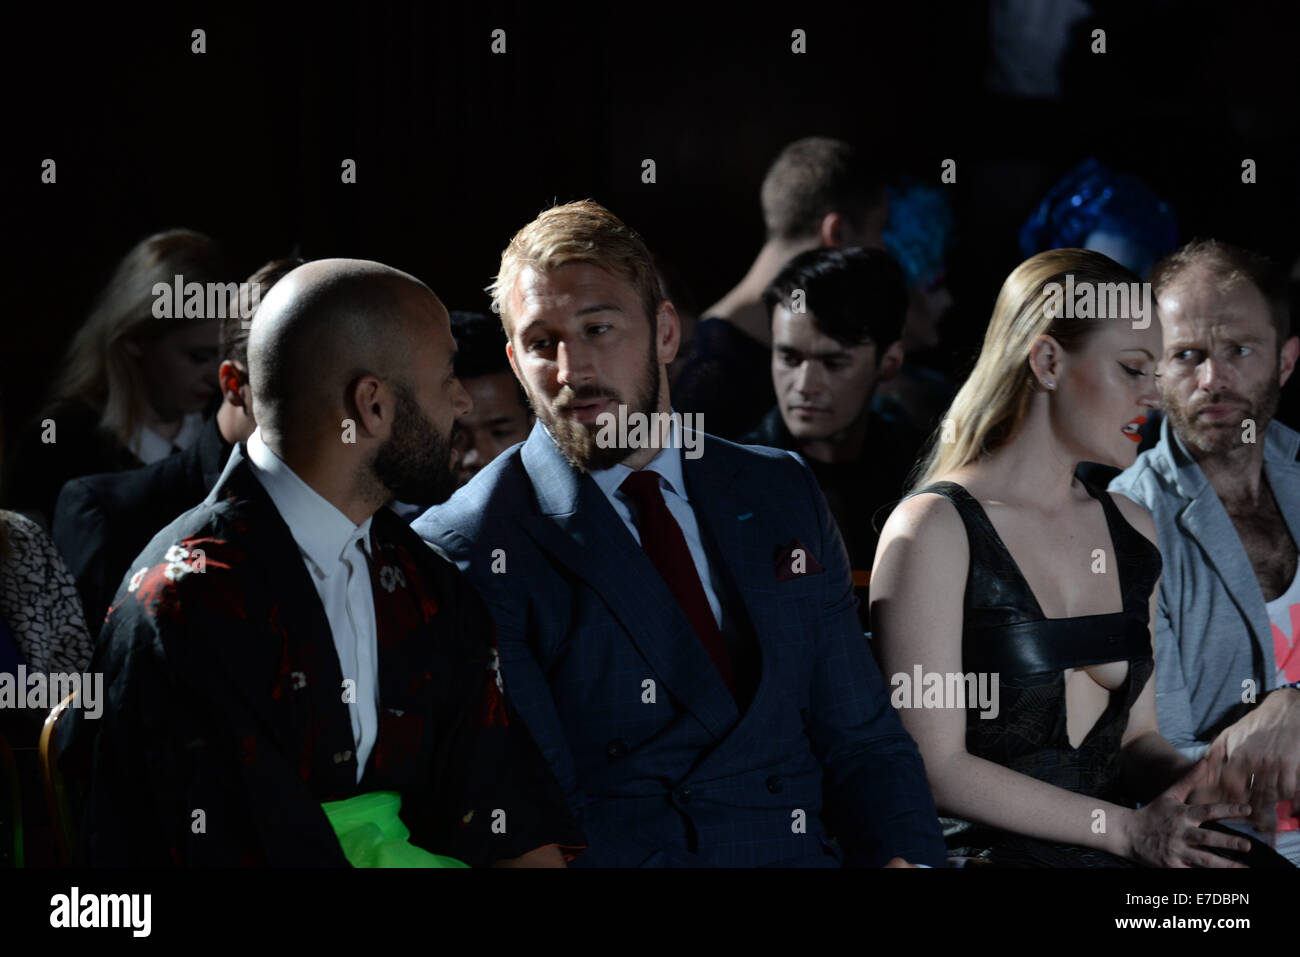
[675,613]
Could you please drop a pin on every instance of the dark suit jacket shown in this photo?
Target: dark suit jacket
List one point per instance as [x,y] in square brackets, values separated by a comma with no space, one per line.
[224,693]
[37,468]
[101,522]
[656,758]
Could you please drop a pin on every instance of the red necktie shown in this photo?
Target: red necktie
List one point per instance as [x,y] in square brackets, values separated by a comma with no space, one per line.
[664,543]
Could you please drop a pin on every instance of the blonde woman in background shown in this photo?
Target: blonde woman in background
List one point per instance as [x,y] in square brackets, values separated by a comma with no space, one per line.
[132,388]
[1003,566]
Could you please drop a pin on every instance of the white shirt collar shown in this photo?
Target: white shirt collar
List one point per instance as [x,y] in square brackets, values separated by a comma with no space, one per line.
[323,533]
[149,447]
[668,463]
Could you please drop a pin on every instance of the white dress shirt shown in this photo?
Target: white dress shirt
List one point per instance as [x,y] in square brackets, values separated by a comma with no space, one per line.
[336,553]
[672,484]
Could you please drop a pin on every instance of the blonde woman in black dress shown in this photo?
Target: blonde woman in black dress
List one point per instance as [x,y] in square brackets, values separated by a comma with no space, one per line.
[1002,563]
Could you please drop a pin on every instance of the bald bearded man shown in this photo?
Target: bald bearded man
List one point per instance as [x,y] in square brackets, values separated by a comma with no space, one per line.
[291,642]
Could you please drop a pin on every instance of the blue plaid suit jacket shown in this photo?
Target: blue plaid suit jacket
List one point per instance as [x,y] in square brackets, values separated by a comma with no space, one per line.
[657,762]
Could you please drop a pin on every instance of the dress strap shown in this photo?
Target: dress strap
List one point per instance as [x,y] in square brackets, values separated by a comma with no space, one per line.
[969,509]
[992,570]
[1137,558]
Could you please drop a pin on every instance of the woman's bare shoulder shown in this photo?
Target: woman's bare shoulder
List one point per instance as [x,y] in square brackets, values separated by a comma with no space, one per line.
[928,523]
[922,562]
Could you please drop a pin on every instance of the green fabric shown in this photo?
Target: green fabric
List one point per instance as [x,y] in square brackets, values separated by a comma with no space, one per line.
[372,835]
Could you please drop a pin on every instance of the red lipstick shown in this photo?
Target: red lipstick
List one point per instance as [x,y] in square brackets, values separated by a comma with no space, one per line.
[1131,427]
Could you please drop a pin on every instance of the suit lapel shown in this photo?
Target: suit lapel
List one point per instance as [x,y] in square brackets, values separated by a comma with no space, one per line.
[405,610]
[580,528]
[309,676]
[736,523]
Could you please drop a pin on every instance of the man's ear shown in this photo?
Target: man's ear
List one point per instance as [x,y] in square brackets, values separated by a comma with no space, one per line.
[831,232]
[668,332]
[1287,360]
[514,366]
[372,400]
[1045,359]
[232,378]
[890,362]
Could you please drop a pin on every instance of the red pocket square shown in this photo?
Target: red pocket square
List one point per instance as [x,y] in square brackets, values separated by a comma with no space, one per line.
[794,560]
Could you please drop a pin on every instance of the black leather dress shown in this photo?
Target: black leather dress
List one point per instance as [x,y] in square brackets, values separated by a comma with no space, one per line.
[1005,632]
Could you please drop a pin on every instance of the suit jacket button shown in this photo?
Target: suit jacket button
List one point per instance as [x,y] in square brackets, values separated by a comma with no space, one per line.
[616,748]
[684,795]
[775,784]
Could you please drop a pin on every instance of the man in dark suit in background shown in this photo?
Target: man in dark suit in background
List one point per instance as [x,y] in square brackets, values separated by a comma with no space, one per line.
[102,521]
[677,629]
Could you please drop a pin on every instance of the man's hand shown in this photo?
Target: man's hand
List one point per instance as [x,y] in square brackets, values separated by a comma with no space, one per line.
[548,856]
[1167,832]
[899,862]
[1264,744]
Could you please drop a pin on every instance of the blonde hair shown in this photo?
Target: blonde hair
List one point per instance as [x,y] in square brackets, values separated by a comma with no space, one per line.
[97,370]
[991,405]
[580,232]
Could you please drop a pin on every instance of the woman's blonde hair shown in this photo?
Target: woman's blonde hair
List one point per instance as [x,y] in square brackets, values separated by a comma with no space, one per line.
[991,406]
[97,370]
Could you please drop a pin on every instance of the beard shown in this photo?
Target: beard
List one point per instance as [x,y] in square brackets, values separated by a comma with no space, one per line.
[577,440]
[414,464]
[1209,438]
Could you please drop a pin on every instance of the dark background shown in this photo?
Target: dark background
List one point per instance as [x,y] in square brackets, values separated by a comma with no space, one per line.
[456,147]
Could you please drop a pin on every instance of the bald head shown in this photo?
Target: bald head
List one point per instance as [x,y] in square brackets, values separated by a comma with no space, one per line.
[325,324]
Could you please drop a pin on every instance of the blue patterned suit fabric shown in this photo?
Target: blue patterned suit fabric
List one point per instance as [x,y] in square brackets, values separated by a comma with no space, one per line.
[656,758]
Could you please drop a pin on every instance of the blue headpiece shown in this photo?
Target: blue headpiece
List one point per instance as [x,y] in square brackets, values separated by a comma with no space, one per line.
[1094,207]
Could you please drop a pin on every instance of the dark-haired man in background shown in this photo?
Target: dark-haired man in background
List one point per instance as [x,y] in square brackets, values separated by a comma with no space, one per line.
[819,193]
[500,416]
[837,320]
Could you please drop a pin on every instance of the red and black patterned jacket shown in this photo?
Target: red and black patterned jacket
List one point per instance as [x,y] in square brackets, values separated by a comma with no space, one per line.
[225,724]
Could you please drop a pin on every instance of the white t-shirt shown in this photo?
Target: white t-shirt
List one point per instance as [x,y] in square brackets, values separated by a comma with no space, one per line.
[1284,615]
